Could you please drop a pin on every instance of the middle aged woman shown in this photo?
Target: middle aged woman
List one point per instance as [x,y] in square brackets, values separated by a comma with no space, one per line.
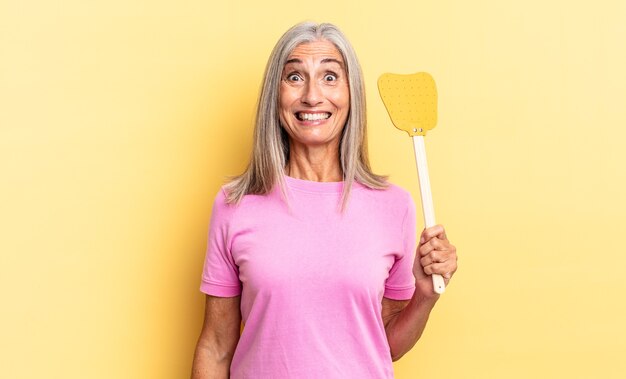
[308,247]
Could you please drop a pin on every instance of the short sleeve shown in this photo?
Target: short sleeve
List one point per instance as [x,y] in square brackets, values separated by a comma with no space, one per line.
[220,274]
[400,284]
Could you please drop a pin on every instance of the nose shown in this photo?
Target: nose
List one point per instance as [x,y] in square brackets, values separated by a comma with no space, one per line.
[312,94]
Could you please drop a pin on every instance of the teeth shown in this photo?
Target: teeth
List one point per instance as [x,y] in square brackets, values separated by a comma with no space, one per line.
[313,116]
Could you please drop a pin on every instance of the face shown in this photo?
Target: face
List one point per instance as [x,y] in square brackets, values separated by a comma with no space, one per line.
[314,97]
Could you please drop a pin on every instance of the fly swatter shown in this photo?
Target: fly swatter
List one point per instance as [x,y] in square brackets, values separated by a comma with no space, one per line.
[411,101]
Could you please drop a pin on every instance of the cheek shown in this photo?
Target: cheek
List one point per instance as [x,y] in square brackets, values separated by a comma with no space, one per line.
[281,100]
[286,98]
[341,98]
[283,106]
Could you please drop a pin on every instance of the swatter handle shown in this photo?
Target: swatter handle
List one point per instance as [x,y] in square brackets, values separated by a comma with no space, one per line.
[427,198]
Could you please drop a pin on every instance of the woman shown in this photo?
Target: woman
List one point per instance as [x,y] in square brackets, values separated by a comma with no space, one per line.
[308,247]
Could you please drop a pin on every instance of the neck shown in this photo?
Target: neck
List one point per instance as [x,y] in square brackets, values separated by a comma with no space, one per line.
[319,164]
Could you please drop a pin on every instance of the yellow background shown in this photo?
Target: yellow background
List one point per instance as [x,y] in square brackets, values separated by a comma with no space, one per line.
[119,121]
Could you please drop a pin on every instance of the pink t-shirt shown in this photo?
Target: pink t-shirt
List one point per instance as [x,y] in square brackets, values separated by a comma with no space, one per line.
[312,278]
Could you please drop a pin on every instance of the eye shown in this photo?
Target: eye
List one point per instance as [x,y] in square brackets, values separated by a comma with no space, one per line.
[330,77]
[294,78]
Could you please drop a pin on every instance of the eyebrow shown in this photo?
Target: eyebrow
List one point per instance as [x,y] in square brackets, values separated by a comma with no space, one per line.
[325,60]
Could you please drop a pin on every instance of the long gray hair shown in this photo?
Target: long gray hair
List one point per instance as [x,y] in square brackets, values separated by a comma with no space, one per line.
[270,151]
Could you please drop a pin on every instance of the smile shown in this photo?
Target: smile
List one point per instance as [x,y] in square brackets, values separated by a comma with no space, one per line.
[303,116]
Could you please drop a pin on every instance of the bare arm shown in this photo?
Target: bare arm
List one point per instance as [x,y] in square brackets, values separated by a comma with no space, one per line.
[218,339]
[405,320]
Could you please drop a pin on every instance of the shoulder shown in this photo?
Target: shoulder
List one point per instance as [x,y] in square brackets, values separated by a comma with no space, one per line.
[397,191]
[221,199]
[250,204]
[391,203]
[390,194]
[222,209]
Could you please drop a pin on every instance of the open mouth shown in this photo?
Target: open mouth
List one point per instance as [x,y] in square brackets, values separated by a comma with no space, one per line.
[304,116]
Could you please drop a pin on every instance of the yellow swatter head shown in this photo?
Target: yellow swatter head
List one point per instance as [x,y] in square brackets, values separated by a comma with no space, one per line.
[411,101]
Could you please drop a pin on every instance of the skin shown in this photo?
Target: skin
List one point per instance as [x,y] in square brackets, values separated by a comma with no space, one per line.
[314,81]
[218,339]
[405,320]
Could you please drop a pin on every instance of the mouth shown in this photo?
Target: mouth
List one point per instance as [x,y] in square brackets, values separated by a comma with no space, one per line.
[312,116]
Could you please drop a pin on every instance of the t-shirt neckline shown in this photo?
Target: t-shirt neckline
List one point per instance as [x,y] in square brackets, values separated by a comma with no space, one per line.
[312,186]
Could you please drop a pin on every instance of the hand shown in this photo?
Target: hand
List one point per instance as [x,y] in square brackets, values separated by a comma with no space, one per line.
[435,255]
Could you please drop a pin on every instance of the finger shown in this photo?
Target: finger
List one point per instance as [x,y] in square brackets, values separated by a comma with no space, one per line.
[447,268]
[432,232]
[449,258]
[434,257]
[433,244]
[428,260]
[434,268]
[443,269]
[441,233]
[425,249]
[437,256]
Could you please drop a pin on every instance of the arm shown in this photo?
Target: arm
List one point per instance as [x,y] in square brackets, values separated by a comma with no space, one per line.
[218,339]
[405,320]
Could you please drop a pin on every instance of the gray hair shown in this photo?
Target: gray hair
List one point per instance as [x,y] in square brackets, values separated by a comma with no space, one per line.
[270,150]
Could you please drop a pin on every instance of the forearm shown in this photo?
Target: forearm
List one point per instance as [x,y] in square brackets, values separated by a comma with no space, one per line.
[407,326]
[208,364]
[218,339]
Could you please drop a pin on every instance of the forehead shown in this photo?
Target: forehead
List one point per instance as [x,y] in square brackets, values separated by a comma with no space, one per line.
[317,50]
